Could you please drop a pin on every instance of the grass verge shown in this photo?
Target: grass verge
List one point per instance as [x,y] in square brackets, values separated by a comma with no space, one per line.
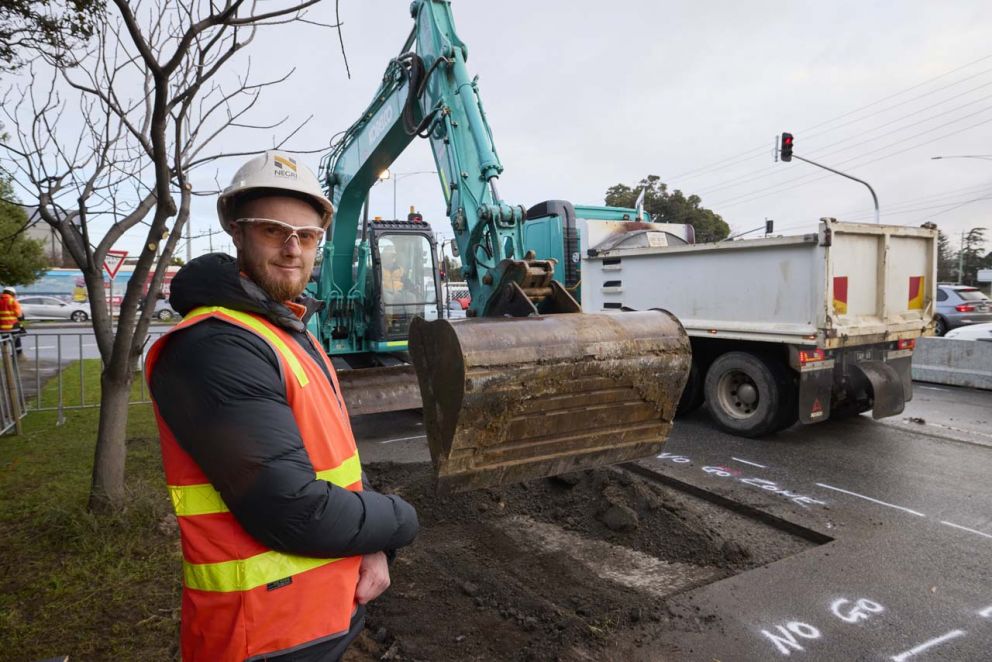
[71,583]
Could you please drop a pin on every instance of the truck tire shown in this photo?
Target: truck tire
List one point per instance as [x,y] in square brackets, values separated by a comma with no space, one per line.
[692,396]
[750,395]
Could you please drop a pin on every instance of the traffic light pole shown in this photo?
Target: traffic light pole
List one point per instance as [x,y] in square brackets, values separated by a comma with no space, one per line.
[844,174]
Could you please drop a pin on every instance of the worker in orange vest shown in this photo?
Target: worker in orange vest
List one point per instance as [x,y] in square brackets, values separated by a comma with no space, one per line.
[283,542]
[11,316]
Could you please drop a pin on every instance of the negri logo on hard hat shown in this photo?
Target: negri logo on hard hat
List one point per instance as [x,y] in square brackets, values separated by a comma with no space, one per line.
[285,166]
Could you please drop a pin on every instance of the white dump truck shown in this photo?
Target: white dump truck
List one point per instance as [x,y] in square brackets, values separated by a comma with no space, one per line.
[805,328]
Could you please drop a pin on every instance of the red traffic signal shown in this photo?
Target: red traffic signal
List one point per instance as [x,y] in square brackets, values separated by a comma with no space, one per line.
[785,151]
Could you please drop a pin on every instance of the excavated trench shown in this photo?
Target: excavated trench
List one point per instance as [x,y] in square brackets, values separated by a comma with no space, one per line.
[577,567]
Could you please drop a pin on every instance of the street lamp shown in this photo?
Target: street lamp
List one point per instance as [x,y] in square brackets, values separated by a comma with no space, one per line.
[983,157]
[398,175]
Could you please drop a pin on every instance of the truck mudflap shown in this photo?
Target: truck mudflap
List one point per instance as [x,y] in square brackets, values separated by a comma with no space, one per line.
[886,385]
[850,381]
[510,399]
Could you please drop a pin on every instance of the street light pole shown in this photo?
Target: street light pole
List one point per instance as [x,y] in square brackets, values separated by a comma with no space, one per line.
[787,154]
[983,157]
[844,174]
[396,177]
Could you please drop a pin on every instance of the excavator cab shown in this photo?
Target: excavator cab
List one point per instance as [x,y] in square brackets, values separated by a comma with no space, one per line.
[405,280]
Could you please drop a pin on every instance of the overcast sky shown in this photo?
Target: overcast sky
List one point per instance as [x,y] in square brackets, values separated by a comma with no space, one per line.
[582,95]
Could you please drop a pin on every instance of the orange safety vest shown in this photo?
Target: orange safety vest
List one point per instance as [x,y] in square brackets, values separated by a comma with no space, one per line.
[241,599]
[392,279]
[10,311]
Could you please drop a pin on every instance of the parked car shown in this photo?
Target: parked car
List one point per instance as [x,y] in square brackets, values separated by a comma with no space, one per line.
[50,308]
[961,305]
[972,332]
[164,312]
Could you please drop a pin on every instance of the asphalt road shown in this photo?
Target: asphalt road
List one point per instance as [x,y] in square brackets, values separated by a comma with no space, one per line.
[902,507]
[75,341]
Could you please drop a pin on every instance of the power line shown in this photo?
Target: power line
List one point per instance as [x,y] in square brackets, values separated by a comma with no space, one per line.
[899,208]
[971,189]
[751,196]
[819,152]
[723,163]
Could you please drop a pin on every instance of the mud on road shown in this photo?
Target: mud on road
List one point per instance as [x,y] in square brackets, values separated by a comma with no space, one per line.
[579,567]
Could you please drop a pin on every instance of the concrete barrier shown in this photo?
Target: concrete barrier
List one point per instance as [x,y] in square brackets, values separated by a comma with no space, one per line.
[953,362]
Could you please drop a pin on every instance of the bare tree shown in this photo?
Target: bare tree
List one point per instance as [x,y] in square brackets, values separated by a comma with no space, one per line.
[151,107]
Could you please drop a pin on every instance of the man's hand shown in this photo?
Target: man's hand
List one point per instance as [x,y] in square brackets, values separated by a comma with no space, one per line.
[373,577]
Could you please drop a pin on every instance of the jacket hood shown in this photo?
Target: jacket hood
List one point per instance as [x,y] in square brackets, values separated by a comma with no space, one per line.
[215,280]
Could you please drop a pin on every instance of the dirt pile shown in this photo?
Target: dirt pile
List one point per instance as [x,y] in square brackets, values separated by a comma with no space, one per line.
[575,568]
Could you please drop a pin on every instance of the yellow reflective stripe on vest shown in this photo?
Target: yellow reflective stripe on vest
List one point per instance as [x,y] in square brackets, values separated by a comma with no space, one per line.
[203,499]
[347,473]
[263,330]
[246,574]
[200,499]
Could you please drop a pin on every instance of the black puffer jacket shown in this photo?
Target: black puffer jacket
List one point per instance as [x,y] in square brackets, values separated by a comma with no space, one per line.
[218,388]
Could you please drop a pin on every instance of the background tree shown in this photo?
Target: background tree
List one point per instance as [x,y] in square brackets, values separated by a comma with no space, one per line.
[27,27]
[947,260]
[147,93]
[22,260]
[672,207]
[972,256]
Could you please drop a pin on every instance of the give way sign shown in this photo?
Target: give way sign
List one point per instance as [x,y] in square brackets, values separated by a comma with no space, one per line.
[113,261]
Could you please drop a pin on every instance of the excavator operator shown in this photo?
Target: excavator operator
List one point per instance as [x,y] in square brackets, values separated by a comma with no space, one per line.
[283,541]
[393,273]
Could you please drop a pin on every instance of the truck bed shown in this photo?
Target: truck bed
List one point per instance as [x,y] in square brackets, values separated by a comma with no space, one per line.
[846,284]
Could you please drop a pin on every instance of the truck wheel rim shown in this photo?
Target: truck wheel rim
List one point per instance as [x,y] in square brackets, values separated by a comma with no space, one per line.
[738,394]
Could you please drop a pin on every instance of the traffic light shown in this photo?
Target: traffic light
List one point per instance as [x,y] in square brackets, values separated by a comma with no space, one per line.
[786,150]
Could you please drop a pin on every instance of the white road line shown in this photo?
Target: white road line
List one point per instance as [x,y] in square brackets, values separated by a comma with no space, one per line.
[964,528]
[753,464]
[986,613]
[42,347]
[931,388]
[867,498]
[389,441]
[902,657]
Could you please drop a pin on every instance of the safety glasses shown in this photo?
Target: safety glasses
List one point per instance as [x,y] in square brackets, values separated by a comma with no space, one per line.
[277,233]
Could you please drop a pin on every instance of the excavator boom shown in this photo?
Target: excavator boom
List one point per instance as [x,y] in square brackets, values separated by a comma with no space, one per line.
[527,385]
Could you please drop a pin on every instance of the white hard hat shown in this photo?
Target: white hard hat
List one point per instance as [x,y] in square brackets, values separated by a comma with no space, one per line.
[272,170]
[8,288]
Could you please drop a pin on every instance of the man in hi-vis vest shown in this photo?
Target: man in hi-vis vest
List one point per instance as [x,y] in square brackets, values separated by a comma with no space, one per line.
[282,546]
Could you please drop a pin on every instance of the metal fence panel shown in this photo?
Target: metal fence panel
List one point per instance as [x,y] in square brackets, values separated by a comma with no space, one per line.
[12,405]
[52,354]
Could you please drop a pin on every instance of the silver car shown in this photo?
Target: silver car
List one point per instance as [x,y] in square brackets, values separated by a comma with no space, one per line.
[164,311]
[960,305]
[50,308]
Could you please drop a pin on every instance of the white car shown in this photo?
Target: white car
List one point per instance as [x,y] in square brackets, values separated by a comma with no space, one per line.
[50,308]
[972,332]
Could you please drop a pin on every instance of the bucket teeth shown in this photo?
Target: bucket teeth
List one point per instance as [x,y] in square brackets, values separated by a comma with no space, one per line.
[510,399]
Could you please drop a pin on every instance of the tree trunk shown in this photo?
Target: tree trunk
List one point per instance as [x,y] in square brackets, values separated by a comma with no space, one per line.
[107,490]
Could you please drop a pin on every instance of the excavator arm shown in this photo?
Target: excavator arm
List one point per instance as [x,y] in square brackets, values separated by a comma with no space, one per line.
[529,385]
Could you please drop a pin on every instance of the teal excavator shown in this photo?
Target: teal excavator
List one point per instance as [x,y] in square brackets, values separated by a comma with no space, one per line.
[527,385]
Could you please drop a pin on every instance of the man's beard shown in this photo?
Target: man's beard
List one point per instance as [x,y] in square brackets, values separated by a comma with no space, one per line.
[280,290]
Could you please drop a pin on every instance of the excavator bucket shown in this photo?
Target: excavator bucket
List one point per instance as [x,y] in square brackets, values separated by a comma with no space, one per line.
[509,399]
